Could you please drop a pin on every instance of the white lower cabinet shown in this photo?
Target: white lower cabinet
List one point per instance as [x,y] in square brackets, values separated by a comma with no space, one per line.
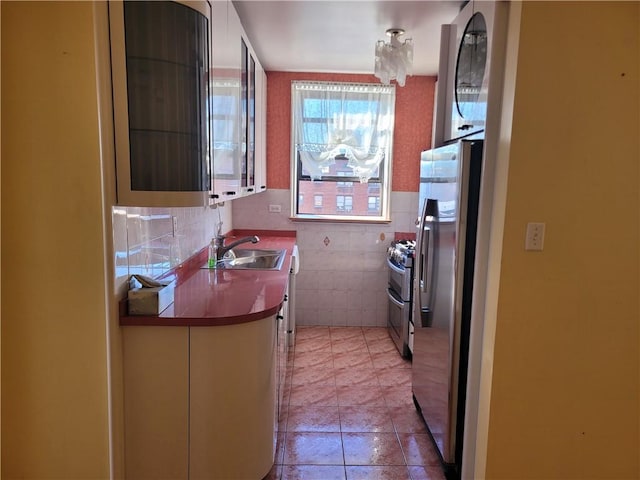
[156,402]
[232,401]
[281,343]
[200,402]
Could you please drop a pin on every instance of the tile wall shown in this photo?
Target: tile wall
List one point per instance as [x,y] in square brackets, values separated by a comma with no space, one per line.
[343,277]
[149,241]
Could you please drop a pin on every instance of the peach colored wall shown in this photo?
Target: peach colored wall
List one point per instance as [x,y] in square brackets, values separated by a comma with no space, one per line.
[565,396]
[414,115]
[55,412]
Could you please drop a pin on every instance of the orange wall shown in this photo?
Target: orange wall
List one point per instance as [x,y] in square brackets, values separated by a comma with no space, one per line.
[414,114]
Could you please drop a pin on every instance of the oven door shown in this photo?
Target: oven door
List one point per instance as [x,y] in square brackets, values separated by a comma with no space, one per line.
[398,321]
[400,280]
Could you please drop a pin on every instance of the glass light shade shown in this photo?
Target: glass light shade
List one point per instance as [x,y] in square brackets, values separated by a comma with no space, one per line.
[394,60]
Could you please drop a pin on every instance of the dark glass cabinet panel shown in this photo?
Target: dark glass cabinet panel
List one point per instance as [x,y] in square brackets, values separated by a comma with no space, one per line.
[167,58]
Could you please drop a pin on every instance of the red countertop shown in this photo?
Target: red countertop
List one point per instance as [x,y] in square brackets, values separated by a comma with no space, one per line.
[204,297]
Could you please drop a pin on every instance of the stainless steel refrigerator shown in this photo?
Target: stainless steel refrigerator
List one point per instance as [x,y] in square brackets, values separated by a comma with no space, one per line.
[445,254]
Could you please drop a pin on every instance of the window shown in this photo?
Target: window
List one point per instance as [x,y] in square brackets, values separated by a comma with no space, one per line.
[344,203]
[374,189]
[344,186]
[341,150]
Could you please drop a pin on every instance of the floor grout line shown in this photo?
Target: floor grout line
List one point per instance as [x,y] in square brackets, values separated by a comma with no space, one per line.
[377,337]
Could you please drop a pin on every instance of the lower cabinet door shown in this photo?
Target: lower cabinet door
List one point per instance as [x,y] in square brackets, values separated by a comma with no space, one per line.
[156,402]
[232,400]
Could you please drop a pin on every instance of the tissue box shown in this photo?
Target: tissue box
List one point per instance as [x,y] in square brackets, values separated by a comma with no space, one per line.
[150,300]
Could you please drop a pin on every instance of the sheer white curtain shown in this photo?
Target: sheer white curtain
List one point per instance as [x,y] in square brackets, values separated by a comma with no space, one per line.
[345,120]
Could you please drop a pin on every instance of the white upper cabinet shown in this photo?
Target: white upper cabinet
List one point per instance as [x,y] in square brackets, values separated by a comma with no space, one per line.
[261,131]
[226,92]
[238,92]
[161,61]
[256,126]
[464,76]
[248,102]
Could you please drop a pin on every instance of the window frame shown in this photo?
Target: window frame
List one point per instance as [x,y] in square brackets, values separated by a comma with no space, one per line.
[383,179]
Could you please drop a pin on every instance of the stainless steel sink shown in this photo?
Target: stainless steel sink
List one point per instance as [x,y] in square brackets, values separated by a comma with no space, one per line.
[257,259]
[254,259]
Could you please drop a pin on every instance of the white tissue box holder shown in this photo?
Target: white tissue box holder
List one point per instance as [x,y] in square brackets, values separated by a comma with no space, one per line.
[150,300]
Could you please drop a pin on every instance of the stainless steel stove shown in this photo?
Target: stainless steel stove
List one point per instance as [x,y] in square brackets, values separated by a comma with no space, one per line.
[400,256]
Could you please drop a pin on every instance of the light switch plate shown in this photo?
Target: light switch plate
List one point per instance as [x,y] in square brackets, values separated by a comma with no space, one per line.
[534,239]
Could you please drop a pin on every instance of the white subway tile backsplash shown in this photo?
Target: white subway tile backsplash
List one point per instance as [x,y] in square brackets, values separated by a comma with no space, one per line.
[307,279]
[326,280]
[310,260]
[307,316]
[146,243]
[356,320]
[339,300]
[355,281]
[375,263]
[337,317]
[308,299]
[350,271]
[354,302]
[341,282]
[369,298]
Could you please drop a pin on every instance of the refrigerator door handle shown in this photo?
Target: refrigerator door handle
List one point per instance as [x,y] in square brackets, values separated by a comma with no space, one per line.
[425,261]
[426,258]
[426,275]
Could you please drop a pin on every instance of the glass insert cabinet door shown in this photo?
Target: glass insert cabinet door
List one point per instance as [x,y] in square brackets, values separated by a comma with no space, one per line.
[228,107]
[470,73]
[249,182]
[234,113]
[161,64]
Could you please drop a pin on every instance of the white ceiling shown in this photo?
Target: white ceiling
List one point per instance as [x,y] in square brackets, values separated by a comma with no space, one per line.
[340,36]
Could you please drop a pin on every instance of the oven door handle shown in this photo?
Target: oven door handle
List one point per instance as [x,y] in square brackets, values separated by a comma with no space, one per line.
[393,299]
[394,267]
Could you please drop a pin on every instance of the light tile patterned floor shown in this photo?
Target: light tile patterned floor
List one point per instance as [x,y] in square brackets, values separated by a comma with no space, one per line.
[349,412]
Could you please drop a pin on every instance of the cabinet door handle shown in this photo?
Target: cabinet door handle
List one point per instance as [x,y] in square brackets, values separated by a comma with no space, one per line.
[229,193]
[262,187]
[249,189]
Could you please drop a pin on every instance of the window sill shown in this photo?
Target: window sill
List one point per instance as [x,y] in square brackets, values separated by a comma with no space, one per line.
[339,219]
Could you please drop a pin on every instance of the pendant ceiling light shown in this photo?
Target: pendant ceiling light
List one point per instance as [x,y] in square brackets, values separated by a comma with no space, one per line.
[394,59]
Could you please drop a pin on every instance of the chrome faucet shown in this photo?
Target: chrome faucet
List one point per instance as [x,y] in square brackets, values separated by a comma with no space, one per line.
[222,249]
